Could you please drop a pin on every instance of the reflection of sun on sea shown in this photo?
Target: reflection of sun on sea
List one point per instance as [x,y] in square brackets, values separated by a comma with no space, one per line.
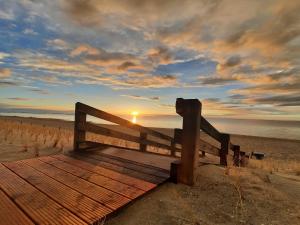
[134,115]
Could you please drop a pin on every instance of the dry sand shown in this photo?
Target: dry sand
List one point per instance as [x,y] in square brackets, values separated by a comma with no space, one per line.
[265,192]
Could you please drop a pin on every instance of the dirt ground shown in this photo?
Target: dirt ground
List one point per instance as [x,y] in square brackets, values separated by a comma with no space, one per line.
[220,196]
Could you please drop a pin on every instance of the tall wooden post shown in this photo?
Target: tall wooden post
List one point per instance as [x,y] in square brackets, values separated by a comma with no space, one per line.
[224,149]
[143,137]
[190,110]
[79,135]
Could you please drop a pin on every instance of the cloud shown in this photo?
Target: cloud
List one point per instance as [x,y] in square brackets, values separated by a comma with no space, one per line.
[280,100]
[58,44]
[3,55]
[18,99]
[7,14]
[39,61]
[39,91]
[214,80]
[86,49]
[8,83]
[51,79]
[105,58]
[159,55]
[10,108]
[29,32]
[5,72]
[230,62]
[151,98]
[134,81]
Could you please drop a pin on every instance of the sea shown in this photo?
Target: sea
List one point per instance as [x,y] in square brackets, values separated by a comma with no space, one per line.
[252,127]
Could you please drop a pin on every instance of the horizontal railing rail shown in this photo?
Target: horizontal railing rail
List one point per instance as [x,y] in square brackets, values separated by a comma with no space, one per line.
[81,126]
[120,121]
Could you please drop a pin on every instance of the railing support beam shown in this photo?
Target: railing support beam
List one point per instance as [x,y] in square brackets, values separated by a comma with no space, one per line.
[190,110]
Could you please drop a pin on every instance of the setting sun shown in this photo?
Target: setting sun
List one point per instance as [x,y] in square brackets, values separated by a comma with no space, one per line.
[134,116]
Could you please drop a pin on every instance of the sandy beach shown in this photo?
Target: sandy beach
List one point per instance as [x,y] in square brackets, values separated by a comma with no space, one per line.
[263,192]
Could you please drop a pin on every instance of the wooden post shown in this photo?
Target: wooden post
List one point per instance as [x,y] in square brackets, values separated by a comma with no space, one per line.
[236,155]
[190,110]
[224,149]
[79,135]
[143,137]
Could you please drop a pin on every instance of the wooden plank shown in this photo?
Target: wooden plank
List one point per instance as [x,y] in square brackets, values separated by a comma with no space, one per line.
[190,110]
[79,135]
[120,169]
[137,183]
[203,145]
[118,120]
[154,168]
[210,129]
[106,197]
[88,210]
[10,213]
[40,208]
[157,172]
[113,185]
[89,127]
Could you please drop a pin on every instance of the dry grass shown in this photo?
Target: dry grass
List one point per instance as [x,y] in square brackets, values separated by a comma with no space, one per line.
[36,138]
[276,166]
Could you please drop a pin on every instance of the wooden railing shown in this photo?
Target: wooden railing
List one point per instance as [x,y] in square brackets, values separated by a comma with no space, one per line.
[186,141]
[81,126]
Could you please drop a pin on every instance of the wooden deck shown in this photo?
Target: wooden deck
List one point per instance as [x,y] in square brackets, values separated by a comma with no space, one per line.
[75,189]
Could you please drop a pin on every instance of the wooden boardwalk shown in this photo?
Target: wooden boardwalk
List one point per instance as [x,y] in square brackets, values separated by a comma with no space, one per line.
[80,189]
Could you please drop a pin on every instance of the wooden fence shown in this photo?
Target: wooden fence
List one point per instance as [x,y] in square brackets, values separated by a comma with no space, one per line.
[186,143]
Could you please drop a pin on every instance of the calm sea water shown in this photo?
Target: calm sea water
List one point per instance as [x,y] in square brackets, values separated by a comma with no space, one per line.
[263,128]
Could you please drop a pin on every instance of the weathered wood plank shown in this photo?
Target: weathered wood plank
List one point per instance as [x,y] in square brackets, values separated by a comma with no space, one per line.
[87,209]
[106,197]
[120,169]
[157,172]
[210,129]
[123,178]
[153,168]
[113,185]
[118,120]
[10,213]
[41,208]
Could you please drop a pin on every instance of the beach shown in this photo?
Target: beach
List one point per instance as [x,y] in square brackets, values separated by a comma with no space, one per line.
[263,192]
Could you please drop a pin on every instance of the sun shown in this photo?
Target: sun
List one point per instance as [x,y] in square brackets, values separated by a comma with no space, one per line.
[134,116]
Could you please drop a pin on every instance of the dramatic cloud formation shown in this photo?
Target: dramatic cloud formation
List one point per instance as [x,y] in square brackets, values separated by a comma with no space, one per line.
[240,56]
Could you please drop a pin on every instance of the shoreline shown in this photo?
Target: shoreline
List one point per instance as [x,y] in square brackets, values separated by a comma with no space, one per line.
[50,121]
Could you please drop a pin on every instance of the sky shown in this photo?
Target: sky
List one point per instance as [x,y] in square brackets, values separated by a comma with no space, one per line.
[240,58]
